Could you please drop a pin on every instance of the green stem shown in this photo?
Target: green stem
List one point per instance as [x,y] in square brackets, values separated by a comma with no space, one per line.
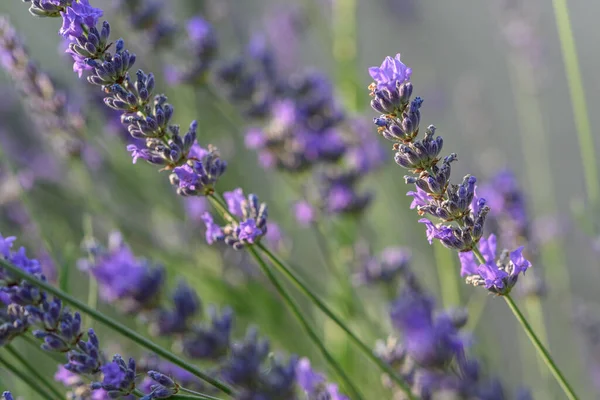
[34,372]
[27,379]
[327,311]
[218,203]
[197,394]
[537,343]
[324,252]
[580,113]
[116,326]
[540,349]
[305,324]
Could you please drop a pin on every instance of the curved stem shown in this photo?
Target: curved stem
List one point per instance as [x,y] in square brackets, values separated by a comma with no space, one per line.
[327,311]
[25,378]
[537,343]
[305,324]
[117,327]
[34,371]
[540,349]
[288,273]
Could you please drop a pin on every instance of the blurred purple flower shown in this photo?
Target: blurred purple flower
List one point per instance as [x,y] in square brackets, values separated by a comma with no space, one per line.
[304,212]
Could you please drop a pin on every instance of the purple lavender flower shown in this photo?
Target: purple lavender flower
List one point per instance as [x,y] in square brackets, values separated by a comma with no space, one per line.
[210,341]
[165,387]
[154,363]
[314,384]
[78,386]
[213,231]
[391,73]
[78,15]
[431,342]
[498,277]
[7,396]
[245,368]
[134,282]
[461,212]
[234,201]
[247,221]
[420,199]
[118,377]
[198,176]
[249,232]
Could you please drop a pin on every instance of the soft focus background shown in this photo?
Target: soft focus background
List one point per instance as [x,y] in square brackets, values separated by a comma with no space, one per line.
[493,80]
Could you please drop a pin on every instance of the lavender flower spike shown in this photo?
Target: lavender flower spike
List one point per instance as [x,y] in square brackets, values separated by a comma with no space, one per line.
[457,213]
[247,226]
[146,116]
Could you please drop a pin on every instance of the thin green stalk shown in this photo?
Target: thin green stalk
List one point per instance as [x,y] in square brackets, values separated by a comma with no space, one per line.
[580,113]
[540,348]
[197,394]
[34,372]
[537,343]
[116,326]
[447,275]
[324,252]
[27,379]
[325,309]
[305,324]
[288,273]
[543,192]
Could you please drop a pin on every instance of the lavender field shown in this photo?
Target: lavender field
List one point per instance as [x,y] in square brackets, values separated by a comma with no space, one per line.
[299,200]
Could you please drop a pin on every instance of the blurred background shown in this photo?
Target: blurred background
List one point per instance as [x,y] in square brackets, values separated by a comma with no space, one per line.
[493,79]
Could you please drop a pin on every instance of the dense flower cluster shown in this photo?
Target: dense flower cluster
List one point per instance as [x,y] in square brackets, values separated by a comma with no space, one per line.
[459,209]
[59,120]
[59,330]
[432,354]
[299,127]
[241,363]
[133,283]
